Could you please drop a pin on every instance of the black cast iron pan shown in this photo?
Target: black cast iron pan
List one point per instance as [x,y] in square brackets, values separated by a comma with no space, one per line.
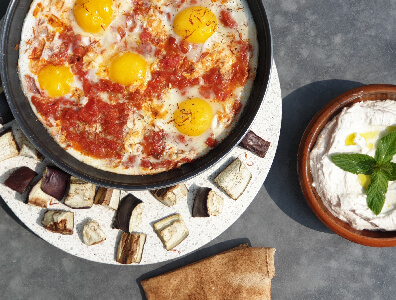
[36,132]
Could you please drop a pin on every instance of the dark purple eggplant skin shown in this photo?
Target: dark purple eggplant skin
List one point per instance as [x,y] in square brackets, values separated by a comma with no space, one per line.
[200,206]
[255,144]
[20,179]
[55,182]
[124,212]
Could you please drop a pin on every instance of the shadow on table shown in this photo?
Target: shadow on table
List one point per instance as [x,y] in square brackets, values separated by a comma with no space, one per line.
[4,206]
[282,183]
[191,258]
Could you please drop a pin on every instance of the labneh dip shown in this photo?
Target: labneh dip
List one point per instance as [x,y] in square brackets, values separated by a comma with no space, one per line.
[357,129]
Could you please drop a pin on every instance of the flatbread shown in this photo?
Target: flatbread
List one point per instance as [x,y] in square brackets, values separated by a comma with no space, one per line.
[240,273]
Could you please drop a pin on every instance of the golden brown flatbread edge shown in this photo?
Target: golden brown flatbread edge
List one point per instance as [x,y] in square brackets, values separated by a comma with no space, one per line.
[242,272]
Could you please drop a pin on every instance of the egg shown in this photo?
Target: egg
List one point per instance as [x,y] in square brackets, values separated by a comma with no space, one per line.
[55,80]
[128,68]
[93,15]
[193,116]
[195,24]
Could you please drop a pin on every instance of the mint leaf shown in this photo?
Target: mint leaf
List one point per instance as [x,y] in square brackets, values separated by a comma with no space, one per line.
[354,163]
[386,148]
[376,191]
[389,169]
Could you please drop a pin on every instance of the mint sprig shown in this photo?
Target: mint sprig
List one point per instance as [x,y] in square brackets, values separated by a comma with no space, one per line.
[380,168]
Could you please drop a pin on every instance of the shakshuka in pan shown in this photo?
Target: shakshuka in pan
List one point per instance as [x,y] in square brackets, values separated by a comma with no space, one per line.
[136,86]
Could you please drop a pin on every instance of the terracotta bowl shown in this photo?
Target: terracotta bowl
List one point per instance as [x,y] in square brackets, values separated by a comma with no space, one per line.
[364,93]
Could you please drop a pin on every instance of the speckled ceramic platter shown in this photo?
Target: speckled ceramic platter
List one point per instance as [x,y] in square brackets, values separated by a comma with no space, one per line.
[201,230]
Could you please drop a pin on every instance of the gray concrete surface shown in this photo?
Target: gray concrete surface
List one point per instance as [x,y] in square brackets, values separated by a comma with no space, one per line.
[321,48]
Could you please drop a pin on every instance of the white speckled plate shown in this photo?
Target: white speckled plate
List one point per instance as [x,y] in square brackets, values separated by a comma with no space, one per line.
[201,230]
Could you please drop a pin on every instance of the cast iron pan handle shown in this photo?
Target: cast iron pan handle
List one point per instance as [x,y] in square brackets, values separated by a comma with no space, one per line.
[5,112]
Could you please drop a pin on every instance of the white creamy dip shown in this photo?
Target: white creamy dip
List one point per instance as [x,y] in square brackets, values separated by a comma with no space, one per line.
[356,129]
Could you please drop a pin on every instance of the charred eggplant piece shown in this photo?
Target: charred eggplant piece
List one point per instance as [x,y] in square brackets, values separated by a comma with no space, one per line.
[130,248]
[129,214]
[59,221]
[207,203]
[171,230]
[170,195]
[108,197]
[234,179]
[255,144]
[55,182]
[92,233]
[37,197]
[20,179]
[81,194]
[8,146]
[26,148]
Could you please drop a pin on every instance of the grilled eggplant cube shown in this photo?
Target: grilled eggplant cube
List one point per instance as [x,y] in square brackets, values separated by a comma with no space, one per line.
[20,179]
[55,182]
[171,230]
[37,197]
[130,248]
[129,214]
[108,197]
[92,233]
[26,148]
[171,195]
[81,194]
[207,203]
[59,221]
[255,144]
[8,146]
[234,179]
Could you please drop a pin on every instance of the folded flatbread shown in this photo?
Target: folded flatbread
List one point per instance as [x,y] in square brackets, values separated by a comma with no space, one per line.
[240,273]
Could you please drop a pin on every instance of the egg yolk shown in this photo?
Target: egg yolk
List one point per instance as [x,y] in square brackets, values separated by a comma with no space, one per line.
[195,24]
[93,15]
[193,117]
[128,68]
[55,80]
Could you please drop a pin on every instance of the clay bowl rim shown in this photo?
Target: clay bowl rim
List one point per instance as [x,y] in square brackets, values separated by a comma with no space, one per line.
[363,93]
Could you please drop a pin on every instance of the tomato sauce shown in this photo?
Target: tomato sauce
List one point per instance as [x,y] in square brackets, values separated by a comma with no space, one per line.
[227,19]
[154,144]
[211,141]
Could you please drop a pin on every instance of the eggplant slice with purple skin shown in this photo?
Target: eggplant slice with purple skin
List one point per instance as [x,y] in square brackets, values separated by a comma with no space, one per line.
[37,197]
[55,182]
[107,197]
[207,203]
[20,179]
[255,144]
[169,196]
[129,214]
